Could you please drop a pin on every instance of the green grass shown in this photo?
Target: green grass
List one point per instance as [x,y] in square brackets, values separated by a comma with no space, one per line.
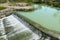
[1,8]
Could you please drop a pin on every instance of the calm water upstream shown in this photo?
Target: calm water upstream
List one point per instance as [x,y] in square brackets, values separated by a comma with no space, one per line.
[46,16]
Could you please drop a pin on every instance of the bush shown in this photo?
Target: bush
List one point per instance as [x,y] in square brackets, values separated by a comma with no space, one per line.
[1,8]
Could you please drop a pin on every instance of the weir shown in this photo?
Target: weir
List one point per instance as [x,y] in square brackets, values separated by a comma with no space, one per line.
[16,28]
[43,23]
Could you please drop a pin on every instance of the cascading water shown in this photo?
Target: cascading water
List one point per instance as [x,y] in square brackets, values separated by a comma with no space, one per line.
[19,28]
[2,31]
[14,28]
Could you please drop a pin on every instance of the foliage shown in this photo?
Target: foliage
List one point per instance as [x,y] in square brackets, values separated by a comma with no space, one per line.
[1,8]
[49,2]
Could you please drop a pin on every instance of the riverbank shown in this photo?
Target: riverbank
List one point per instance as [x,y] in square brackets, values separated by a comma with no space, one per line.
[10,8]
[50,6]
[54,4]
[50,3]
[6,12]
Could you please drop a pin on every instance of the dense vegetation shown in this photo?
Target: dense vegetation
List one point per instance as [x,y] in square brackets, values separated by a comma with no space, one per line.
[55,3]
[49,2]
[1,8]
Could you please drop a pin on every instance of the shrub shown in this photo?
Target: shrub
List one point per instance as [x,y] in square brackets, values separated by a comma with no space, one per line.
[1,8]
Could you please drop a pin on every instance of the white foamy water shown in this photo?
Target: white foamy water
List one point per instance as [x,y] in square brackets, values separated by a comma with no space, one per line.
[17,27]
[2,30]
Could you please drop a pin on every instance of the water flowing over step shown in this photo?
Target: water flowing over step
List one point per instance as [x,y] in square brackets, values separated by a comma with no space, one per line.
[15,28]
[2,31]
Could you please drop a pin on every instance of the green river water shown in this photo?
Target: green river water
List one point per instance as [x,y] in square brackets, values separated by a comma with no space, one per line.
[46,16]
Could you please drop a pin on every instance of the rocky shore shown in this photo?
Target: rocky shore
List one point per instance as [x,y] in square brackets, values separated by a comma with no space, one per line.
[6,12]
[11,8]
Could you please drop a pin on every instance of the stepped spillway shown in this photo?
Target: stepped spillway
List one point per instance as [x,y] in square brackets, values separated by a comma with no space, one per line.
[16,29]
